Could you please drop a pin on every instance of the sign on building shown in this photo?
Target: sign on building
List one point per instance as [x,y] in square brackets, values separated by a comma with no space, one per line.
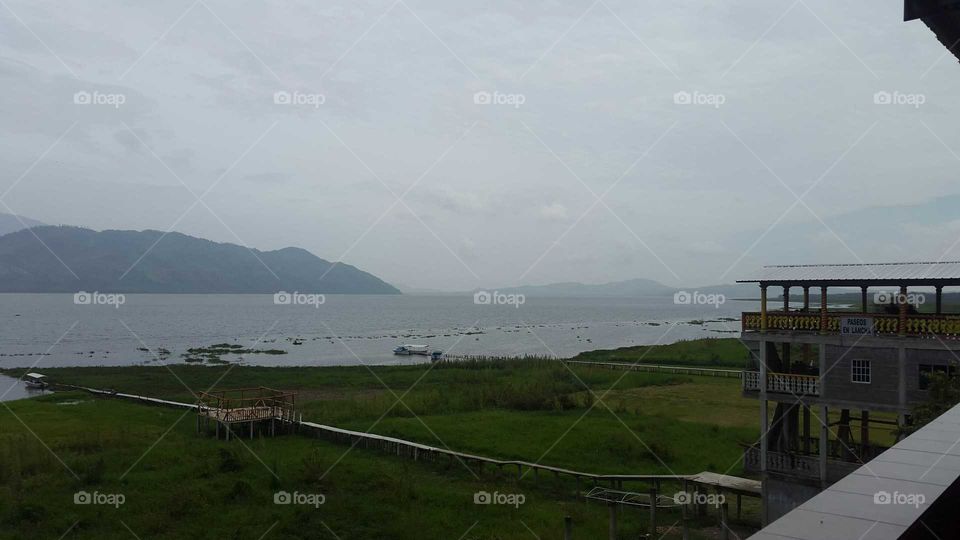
[856,326]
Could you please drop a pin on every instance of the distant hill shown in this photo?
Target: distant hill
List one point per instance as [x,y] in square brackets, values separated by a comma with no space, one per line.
[10,223]
[177,263]
[627,289]
[632,287]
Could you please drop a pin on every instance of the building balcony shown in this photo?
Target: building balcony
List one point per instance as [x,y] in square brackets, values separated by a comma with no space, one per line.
[783,383]
[918,326]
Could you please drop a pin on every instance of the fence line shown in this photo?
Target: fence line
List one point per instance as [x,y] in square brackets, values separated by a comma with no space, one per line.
[663,368]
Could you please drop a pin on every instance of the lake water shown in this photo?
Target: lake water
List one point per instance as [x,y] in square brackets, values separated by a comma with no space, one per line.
[45,330]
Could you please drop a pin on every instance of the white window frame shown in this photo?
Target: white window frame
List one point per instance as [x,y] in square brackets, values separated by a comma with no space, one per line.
[861,367]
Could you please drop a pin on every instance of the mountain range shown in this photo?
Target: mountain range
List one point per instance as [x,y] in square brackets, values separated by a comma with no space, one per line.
[70,259]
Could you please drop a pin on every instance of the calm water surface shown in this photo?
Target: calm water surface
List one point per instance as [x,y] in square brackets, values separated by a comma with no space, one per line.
[45,330]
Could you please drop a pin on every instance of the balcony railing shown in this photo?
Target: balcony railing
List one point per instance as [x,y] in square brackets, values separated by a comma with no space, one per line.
[784,383]
[807,466]
[931,326]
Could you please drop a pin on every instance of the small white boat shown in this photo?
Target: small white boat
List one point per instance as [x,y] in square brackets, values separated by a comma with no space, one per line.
[412,349]
[35,380]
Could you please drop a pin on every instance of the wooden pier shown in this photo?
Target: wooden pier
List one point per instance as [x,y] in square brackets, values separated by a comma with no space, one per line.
[252,410]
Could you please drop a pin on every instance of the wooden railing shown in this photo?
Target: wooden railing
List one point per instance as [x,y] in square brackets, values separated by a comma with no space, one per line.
[931,326]
[247,404]
[784,383]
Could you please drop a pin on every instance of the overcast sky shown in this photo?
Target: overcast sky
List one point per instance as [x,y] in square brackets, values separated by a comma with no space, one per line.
[451,146]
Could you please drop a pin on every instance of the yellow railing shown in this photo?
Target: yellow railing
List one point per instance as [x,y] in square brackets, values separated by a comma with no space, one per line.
[943,326]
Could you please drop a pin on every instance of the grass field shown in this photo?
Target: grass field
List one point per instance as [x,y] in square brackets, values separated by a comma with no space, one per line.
[589,419]
[715,352]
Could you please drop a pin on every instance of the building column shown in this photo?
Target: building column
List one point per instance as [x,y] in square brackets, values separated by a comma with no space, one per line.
[824,436]
[863,298]
[939,299]
[806,429]
[902,300]
[763,308]
[864,435]
[902,382]
[806,298]
[786,298]
[764,413]
[823,309]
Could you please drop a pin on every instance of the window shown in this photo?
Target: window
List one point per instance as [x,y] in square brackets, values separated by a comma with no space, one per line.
[860,371]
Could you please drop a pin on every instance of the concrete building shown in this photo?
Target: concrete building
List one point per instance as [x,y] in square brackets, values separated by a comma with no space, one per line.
[829,378]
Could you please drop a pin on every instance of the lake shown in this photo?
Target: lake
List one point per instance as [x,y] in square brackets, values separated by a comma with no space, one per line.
[46,330]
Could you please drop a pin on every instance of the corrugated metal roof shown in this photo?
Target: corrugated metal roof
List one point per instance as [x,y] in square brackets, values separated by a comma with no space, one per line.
[927,463]
[905,272]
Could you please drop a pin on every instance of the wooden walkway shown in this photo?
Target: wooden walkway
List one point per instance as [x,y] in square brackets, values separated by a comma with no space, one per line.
[423,452]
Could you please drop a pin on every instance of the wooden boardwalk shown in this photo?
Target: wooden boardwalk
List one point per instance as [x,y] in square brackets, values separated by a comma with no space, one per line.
[423,452]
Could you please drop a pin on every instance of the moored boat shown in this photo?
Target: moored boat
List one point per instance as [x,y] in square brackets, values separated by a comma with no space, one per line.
[412,349]
[35,380]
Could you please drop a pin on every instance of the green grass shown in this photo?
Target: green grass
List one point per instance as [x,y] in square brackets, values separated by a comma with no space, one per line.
[709,352]
[535,410]
[589,419]
[178,484]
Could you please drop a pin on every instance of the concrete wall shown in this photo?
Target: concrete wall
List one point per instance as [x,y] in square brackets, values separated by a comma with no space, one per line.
[781,496]
[885,380]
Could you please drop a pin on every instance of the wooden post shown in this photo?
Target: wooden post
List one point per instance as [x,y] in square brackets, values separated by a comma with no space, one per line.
[567,528]
[786,298]
[902,325]
[823,309]
[684,509]
[763,308]
[939,299]
[653,511]
[806,298]
[613,521]
[806,430]
[725,528]
[739,505]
